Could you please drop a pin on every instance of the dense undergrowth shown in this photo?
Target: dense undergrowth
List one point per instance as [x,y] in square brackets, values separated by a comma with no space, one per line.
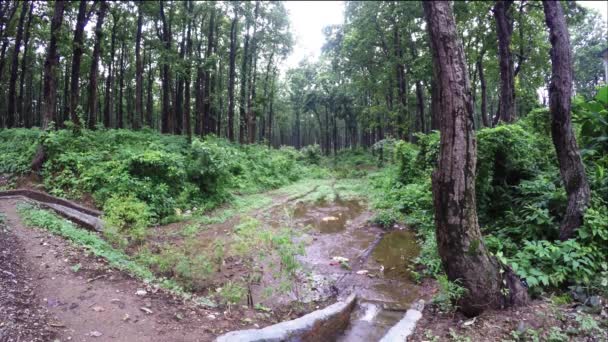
[520,198]
[143,177]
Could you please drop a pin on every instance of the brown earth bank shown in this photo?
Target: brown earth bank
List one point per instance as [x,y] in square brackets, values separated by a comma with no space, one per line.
[64,293]
[542,320]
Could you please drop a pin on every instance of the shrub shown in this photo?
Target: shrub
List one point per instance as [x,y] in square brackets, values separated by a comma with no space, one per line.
[311,154]
[126,220]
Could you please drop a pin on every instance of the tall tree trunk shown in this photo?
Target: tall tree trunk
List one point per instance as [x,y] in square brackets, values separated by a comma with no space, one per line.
[167,121]
[109,98]
[121,84]
[484,91]
[12,87]
[243,88]
[179,91]
[504,29]
[139,71]
[266,85]
[9,7]
[50,64]
[101,15]
[208,125]
[420,103]
[24,70]
[435,114]
[271,107]
[251,115]
[401,82]
[149,100]
[77,51]
[232,73]
[186,119]
[571,166]
[459,242]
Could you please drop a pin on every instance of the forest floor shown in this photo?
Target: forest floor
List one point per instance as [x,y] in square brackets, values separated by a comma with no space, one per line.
[74,295]
[53,289]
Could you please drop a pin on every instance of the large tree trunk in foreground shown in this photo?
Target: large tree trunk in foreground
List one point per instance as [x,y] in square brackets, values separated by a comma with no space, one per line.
[92,115]
[504,29]
[571,166]
[460,245]
[50,64]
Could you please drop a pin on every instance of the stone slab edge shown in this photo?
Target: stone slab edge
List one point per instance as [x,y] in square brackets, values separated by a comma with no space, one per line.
[78,214]
[320,325]
[405,327]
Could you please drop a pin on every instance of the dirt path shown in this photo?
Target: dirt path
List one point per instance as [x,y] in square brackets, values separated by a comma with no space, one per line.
[77,297]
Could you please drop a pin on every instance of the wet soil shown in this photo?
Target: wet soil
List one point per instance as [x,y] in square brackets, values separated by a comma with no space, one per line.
[376,267]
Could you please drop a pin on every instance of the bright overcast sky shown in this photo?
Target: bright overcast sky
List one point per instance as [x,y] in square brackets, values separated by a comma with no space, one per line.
[307,21]
[309,17]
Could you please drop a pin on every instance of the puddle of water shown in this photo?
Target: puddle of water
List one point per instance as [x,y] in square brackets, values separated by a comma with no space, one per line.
[395,252]
[327,217]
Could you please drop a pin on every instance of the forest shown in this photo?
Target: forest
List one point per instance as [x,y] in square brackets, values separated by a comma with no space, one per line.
[439,172]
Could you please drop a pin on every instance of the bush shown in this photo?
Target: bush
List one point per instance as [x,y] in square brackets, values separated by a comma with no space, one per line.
[126,220]
[311,154]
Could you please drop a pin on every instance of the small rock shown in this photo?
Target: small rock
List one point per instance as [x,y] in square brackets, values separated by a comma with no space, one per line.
[211,316]
[126,317]
[362,272]
[98,309]
[594,301]
[95,333]
[141,292]
[146,310]
[522,327]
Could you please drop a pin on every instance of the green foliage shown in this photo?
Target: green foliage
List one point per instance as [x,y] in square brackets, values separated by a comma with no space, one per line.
[311,154]
[405,158]
[126,220]
[164,171]
[17,149]
[449,294]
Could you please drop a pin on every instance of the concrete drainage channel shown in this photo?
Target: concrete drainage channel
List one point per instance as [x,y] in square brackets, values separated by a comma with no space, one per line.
[326,324]
[76,213]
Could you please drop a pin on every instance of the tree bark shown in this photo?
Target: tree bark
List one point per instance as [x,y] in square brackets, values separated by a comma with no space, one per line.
[12,87]
[97,49]
[208,125]
[251,116]
[77,52]
[243,88]
[50,64]
[149,100]
[571,165]
[186,118]
[484,91]
[463,254]
[24,70]
[232,73]
[167,121]
[504,29]
[121,85]
[108,99]
[139,70]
